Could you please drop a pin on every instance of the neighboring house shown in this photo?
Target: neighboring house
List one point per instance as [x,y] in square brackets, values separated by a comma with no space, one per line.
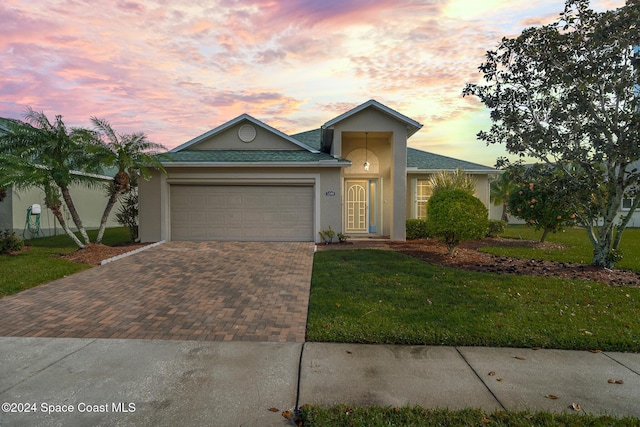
[90,203]
[245,180]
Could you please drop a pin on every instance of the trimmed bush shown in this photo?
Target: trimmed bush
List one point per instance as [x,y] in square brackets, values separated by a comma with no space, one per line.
[417,229]
[496,227]
[454,216]
[9,242]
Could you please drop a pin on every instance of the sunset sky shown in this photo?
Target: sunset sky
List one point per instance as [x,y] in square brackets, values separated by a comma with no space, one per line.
[176,69]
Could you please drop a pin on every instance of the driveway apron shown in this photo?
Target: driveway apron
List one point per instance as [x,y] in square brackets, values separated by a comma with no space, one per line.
[210,291]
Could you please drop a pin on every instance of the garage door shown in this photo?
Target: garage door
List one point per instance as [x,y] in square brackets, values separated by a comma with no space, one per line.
[243,213]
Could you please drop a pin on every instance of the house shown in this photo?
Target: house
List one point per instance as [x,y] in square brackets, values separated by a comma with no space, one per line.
[245,180]
[89,201]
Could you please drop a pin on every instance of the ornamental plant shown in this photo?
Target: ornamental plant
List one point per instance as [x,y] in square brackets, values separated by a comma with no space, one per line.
[454,216]
[541,207]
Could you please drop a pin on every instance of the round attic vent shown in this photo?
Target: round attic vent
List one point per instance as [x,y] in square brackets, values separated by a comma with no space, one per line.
[247,133]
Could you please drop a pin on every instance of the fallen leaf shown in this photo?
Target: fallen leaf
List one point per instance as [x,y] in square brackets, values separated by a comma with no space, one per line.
[628,325]
[575,406]
[498,379]
[349,411]
[286,414]
[619,382]
[611,381]
[274,409]
[551,396]
[349,352]
[325,326]
[487,420]
[519,357]
[492,373]
[595,351]
[396,410]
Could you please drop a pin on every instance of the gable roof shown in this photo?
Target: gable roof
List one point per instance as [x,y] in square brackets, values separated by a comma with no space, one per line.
[418,160]
[253,157]
[234,122]
[412,125]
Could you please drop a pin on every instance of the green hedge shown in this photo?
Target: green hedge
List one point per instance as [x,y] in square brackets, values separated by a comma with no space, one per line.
[417,229]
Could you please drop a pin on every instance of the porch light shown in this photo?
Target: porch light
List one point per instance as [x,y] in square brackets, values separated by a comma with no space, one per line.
[366,150]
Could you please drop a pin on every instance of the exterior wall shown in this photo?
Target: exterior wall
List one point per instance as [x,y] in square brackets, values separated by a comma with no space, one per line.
[155,210]
[229,140]
[482,193]
[90,203]
[390,147]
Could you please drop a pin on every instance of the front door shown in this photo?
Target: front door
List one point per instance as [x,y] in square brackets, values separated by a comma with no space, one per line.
[361,206]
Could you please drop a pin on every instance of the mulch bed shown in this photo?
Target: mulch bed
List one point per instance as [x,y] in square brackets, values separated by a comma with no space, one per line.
[468,257]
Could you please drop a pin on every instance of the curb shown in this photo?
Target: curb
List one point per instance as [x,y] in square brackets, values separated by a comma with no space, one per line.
[135,251]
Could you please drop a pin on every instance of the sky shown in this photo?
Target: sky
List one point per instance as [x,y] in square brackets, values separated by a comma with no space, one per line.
[175,69]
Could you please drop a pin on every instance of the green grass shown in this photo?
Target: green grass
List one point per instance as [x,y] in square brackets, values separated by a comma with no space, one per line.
[578,247]
[374,296]
[40,262]
[374,416]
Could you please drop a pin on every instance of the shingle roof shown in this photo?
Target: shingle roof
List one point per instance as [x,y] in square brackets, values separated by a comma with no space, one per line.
[429,161]
[246,156]
[312,138]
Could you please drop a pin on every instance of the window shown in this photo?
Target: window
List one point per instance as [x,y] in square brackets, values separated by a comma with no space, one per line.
[626,204]
[423,192]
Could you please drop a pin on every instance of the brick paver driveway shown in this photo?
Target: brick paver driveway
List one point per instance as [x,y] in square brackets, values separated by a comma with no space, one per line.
[215,291]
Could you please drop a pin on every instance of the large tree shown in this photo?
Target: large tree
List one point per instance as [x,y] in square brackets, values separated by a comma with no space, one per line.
[63,155]
[132,155]
[566,94]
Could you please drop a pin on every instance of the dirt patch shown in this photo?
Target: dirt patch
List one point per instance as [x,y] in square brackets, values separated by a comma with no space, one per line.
[94,254]
[469,257]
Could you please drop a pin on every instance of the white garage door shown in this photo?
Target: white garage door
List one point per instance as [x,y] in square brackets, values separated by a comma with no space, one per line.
[243,213]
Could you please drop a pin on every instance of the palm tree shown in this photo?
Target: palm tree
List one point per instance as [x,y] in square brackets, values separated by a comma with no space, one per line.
[132,154]
[21,174]
[60,153]
[500,189]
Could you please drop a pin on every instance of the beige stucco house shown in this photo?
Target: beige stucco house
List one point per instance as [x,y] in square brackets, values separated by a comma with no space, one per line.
[245,180]
[90,203]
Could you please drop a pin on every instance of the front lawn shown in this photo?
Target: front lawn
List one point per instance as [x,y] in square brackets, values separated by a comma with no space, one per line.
[40,261]
[577,246]
[375,296]
[374,416]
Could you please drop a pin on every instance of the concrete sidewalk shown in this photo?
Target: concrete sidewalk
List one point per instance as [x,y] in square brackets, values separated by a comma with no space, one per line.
[164,383]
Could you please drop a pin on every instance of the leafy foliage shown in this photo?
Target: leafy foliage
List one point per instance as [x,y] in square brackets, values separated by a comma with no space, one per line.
[417,229]
[496,227]
[540,200]
[566,94]
[456,180]
[9,242]
[127,214]
[499,191]
[454,216]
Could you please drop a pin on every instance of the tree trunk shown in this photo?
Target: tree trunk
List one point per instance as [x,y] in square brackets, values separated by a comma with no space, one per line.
[74,214]
[105,215]
[505,212]
[63,224]
[544,235]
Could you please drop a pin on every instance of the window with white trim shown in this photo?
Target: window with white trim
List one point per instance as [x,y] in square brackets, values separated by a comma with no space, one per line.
[423,192]
[626,204]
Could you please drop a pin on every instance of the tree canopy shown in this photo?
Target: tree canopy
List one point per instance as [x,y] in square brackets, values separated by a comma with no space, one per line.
[566,94]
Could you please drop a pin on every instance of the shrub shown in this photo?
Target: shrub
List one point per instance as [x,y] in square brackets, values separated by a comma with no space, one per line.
[453,180]
[417,229]
[127,214]
[454,216]
[327,235]
[542,206]
[9,242]
[496,227]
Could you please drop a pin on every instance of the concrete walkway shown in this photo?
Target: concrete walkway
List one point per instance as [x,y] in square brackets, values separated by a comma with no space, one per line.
[112,382]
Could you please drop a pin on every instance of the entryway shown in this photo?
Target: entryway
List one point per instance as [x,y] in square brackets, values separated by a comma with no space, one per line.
[362,212]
